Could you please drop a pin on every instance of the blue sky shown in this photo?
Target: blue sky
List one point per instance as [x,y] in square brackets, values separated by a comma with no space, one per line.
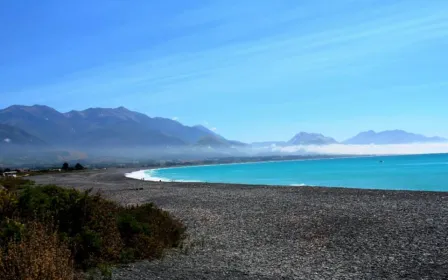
[253,69]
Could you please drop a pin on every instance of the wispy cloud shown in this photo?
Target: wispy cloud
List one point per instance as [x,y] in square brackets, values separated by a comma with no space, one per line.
[320,62]
[243,52]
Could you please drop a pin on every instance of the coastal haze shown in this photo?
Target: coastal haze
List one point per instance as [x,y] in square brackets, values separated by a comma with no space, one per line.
[120,134]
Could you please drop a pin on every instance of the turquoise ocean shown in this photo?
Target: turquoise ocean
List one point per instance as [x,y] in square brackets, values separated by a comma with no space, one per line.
[415,172]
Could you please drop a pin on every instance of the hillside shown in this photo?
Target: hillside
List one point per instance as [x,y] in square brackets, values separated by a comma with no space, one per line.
[213,142]
[10,135]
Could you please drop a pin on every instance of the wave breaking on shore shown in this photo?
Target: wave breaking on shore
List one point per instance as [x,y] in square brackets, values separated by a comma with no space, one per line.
[145,175]
[148,175]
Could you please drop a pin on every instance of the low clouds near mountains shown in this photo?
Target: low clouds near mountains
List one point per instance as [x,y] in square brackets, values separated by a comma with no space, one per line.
[395,149]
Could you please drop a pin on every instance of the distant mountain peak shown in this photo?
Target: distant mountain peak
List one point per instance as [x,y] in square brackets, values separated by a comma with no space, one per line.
[122,109]
[305,138]
[41,106]
[303,133]
[200,126]
[396,136]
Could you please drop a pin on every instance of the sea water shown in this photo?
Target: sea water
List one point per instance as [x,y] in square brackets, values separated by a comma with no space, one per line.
[416,172]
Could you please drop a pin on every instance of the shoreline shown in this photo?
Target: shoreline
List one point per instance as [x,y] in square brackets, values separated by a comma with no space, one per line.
[156,179]
[267,232]
[149,176]
[164,180]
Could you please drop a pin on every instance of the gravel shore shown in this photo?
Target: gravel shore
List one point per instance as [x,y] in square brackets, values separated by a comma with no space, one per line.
[261,232]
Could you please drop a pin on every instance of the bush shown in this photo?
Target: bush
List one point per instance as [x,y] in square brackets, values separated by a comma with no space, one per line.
[148,230]
[13,184]
[39,254]
[8,203]
[97,231]
[65,166]
[86,222]
[78,166]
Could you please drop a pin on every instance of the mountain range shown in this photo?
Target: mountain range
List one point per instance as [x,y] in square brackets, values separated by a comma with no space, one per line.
[363,138]
[98,127]
[391,137]
[43,126]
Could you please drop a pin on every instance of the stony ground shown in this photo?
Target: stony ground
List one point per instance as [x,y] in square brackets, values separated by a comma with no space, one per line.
[259,232]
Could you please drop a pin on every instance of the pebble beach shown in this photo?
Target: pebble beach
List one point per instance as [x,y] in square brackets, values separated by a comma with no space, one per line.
[269,232]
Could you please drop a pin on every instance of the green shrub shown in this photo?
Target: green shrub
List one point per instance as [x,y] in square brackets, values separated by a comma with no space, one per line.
[86,221]
[13,184]
[150,221]
[97,231]
[147,230]
[8,203]
[10,230]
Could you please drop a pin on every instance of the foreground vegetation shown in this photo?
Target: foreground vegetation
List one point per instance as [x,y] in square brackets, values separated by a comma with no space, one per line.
[49,232]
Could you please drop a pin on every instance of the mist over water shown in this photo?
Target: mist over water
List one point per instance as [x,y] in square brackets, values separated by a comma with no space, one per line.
[392,149]
[12,154]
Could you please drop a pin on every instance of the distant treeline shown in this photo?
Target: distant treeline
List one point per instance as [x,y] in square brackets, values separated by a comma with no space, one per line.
[65,167]
[170,163]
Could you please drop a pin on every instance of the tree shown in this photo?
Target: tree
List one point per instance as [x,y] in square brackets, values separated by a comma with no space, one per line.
[78,166]
[65,166]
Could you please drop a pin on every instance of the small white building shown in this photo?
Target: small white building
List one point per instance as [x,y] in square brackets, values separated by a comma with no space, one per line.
[10,174]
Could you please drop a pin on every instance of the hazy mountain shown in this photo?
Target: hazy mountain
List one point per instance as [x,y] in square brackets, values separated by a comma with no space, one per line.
[100,127]
[208,131]
[391,137]
[103,127]
[120,127]
[41,121]
[238,143]
[304,138]
[212,133]
[129,120]
[213,142]
[10,135]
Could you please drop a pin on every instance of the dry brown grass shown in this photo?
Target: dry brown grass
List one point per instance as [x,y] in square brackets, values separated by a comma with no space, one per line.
[39,255]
